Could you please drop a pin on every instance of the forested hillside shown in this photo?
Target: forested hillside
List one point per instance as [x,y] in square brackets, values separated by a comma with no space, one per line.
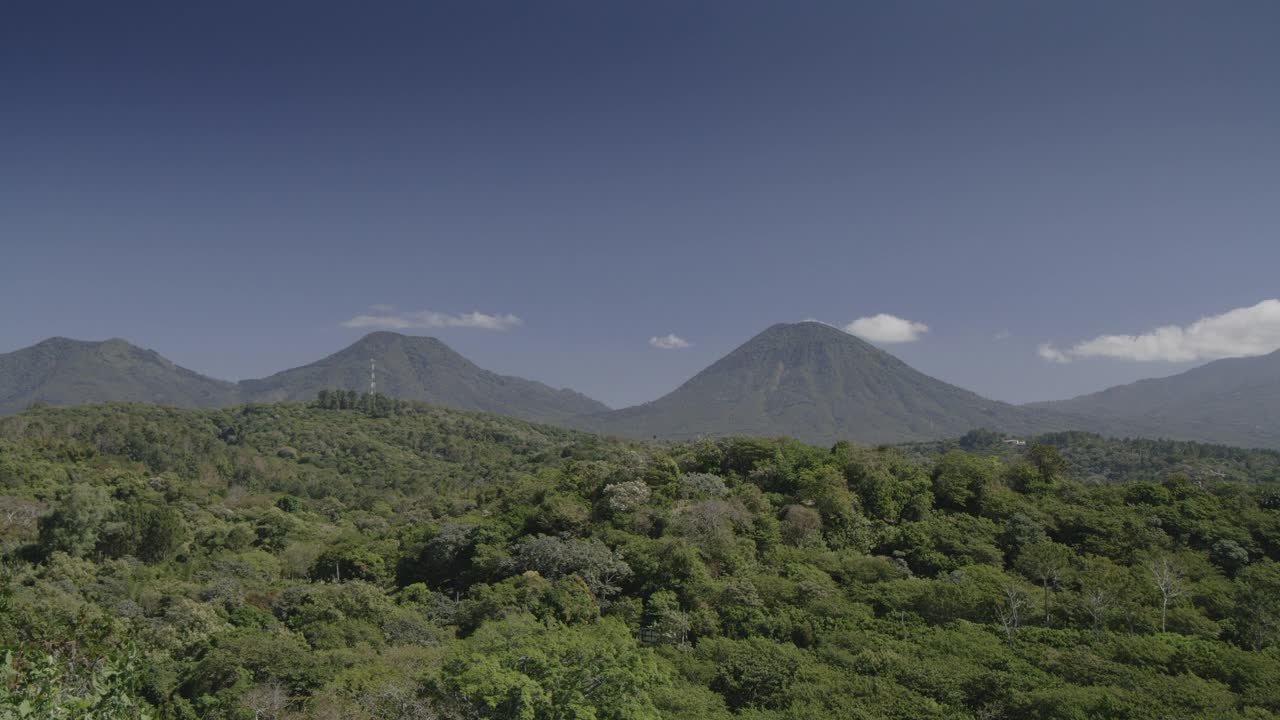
[366,558]
[1093,458]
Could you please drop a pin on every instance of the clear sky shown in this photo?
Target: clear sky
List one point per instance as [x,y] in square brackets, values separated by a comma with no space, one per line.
[229,183]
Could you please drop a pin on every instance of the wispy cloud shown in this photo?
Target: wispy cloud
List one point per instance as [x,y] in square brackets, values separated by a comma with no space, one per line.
[887,328]
[1002,335]
[1051,354]
[385,317]
[1243,332]
[670,341]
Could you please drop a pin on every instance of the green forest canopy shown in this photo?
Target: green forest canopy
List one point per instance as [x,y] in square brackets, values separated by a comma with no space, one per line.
[360,557]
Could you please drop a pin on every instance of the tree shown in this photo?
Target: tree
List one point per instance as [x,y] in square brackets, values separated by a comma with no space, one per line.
[1020,531]
[1048,462]
[73,527]
[445,558]
[599,567]
[755,672]
[624,497]
[1101,584]
[1013,602]
[521,669]
[1258,605]
[1228,555]
[800,525]
[269,701]
[1170,582]
[162,533]
[709,525]
[1045,562]
[959,478]
[979,438]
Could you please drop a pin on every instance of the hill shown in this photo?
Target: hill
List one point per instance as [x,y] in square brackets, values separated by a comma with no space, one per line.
[425,369]
[1234,401]
[61,371]
[819,384]
[805,380]
[1094,459]
[403,560]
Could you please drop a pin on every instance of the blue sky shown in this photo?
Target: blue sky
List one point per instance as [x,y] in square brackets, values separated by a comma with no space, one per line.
[230,184]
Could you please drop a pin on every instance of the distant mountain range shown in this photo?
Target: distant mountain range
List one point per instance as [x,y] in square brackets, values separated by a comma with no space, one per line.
[68,372]
[1234,401]
[805,380]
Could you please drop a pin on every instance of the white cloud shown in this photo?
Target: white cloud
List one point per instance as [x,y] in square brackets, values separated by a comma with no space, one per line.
[1243,332]
[670,341]
[886,329]
[1051,353]
[385,318]
[1002,335]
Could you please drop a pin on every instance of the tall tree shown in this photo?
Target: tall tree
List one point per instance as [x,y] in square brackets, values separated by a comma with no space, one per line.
[1169,581]
[1045,562]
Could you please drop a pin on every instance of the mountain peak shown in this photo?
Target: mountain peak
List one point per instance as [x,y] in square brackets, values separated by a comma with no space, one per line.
[65,371]
[818,383]
[416,367]
[388,338]
[59,342]
[810,331]
[382,335]
[812,327]
[798,343]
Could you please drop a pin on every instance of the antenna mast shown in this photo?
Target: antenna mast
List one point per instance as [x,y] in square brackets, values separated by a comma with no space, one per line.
[373,377]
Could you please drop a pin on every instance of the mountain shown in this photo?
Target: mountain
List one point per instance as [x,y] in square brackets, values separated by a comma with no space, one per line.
[819,384]
[423,368]
[806,380]
[60,371]
[1234,401]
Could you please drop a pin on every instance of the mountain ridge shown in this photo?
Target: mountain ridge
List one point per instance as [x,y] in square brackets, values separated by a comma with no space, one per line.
[62,371]
[808,380]
[65,371]
[1233,400]
[423,368]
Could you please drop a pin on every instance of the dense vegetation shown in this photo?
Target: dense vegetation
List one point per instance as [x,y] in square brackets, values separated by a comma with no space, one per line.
[362,558]
[1092,458]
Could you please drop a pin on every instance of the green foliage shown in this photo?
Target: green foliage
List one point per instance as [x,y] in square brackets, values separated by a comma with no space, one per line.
[517,668]
[340,560]
[59,685]
[74,526]
[753,673]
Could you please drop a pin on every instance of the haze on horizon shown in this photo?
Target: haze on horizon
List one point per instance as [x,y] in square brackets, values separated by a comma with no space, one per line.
[1031,202]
